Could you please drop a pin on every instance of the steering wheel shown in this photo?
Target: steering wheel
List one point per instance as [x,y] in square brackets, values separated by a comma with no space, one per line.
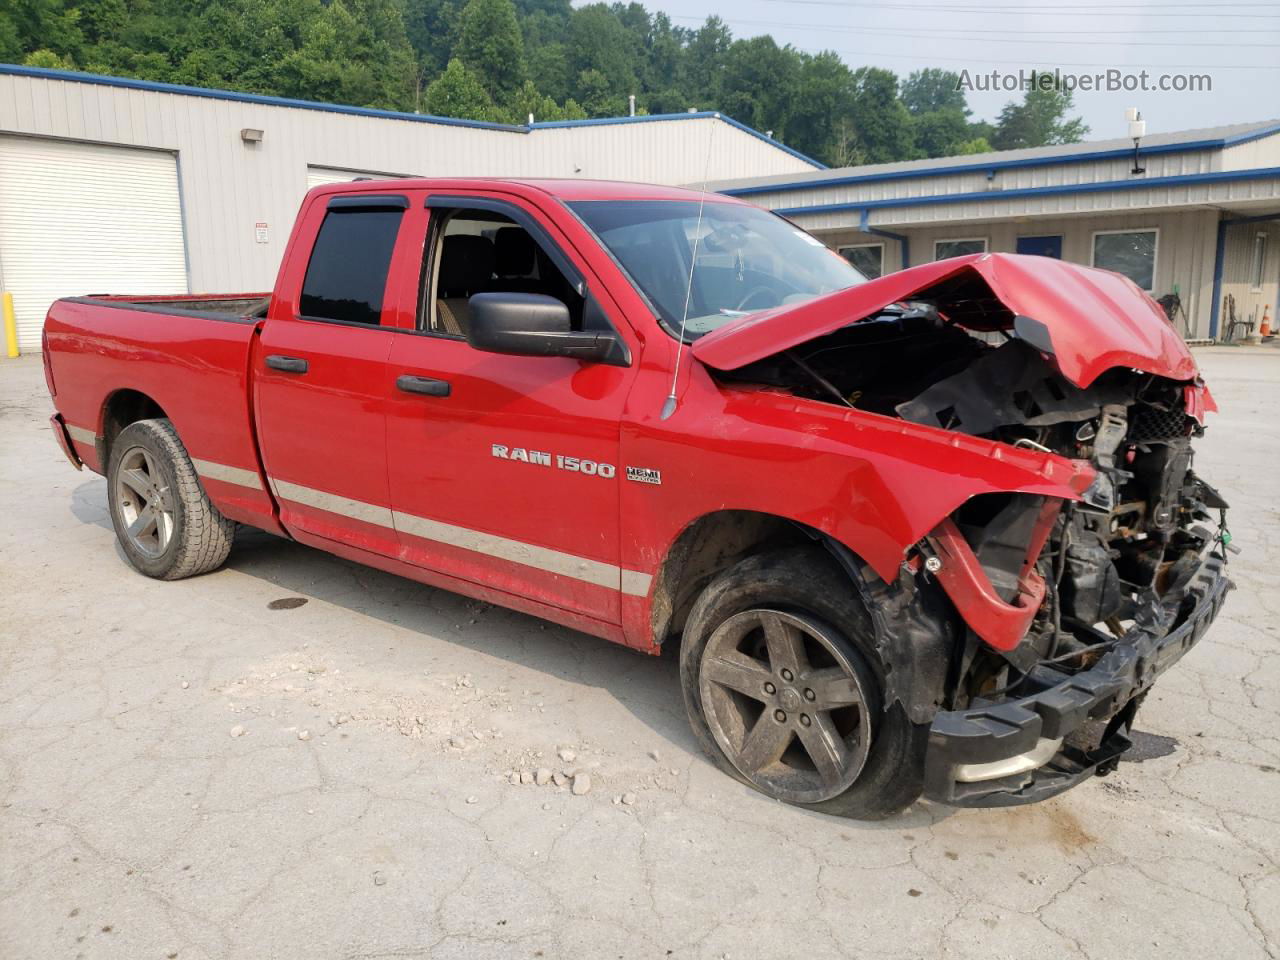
[752,294]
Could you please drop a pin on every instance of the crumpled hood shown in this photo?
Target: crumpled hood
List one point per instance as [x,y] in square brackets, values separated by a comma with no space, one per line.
[1086,320]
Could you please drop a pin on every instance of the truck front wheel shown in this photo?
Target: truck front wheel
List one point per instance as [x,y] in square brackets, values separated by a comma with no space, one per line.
[784,689]
[163,519]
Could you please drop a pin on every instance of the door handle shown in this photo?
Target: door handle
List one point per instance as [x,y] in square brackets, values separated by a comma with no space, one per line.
[287,364]
[423,385]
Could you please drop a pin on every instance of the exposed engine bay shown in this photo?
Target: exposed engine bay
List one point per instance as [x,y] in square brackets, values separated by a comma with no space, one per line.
[1125,562]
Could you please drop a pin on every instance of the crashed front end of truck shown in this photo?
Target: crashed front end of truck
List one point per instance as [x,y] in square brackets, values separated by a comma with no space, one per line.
[1067,609]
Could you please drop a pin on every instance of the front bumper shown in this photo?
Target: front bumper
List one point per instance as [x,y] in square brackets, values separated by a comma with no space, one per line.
[1080,720]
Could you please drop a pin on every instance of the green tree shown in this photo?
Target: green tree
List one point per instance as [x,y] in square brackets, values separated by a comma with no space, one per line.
[491,47]
[933,89]
[824,99]
[544,110]
[457,93]
[760,81]
[602,54]
[1039,120]
[879,128]
[432,29]
[704,62]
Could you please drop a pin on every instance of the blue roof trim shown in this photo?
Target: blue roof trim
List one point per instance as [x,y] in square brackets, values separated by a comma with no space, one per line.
[696,115]
[1118,154]
[1105,186]
[212,94]
[257,98]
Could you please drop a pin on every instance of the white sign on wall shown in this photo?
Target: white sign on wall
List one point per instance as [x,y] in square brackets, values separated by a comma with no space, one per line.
[260,232]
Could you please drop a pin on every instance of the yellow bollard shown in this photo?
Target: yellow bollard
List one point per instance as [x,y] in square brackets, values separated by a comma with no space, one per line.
[10,326]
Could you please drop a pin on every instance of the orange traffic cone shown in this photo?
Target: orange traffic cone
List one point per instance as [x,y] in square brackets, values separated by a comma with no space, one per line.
[1264,328]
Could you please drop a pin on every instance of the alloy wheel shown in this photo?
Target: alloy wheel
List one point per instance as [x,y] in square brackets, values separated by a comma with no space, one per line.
[145,502]
[789,703]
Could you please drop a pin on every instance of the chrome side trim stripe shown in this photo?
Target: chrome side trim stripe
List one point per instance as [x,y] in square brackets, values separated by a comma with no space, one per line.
[540,558]
[631,582]
[82,435]
[635,583]
[332,503]
[220,471]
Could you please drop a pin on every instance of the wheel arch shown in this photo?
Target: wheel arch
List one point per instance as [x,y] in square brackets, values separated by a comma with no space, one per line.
[915,626]
[709,544]
[122,407]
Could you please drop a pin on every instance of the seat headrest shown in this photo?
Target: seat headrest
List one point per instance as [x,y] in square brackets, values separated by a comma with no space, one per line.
[466,265]
[513,252]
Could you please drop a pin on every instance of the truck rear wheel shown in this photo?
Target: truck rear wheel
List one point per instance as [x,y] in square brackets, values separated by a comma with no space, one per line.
[785,690]
[163,519]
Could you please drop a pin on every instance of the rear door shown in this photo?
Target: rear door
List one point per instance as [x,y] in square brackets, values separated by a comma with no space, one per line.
[504,469]
[320,370]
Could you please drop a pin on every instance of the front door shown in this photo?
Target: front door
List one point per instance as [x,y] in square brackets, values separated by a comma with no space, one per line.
[320,370]
[504,469]
[1050,246]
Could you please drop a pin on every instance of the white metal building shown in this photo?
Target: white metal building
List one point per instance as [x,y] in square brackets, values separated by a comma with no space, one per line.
[116,185]
[1201,217]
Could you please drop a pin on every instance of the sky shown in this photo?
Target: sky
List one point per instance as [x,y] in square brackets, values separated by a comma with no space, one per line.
[1236,44]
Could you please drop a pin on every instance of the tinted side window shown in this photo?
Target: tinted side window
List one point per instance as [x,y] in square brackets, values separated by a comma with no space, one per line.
[348,270]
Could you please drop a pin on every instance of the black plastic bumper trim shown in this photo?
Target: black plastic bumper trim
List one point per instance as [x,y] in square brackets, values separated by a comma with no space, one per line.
[996,731]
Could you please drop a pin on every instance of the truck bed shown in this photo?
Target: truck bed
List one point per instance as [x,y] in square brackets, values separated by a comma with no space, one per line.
[246,307]
[189,355]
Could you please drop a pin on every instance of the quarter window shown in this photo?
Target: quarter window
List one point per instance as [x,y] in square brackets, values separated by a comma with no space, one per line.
[868,258]
[1128,252]
[347,274]
[943,249]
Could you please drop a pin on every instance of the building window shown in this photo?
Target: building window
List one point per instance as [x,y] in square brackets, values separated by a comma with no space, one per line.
[348,270]
[1128,252]
[942,249]
[1259,261]
[867,258]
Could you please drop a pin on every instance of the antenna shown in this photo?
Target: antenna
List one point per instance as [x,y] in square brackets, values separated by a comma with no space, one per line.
[669,407]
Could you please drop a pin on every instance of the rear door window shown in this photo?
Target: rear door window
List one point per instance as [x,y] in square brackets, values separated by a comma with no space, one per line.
[347,274]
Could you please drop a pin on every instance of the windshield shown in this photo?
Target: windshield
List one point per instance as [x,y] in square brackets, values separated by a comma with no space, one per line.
[748,259]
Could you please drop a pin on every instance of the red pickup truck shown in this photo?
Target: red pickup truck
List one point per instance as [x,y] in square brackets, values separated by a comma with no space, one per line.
[932,533]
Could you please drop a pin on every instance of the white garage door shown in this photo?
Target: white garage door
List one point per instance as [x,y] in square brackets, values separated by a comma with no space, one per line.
[78,218]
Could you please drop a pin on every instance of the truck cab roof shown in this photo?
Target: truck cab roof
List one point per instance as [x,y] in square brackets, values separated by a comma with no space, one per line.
[565,188]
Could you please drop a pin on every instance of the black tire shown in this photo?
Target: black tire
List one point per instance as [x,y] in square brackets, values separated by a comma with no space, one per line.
[197,537]
[811,588]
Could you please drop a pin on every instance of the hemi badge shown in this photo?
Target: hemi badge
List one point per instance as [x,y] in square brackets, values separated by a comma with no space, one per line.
[644,475]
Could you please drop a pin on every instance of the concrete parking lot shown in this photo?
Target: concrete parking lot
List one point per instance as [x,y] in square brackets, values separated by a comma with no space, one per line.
[198,769]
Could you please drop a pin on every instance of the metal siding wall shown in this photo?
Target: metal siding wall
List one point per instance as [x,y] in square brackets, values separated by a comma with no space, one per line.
[228,186]
[1184,254]
[1263,152]
[1015,178]
[1237,267]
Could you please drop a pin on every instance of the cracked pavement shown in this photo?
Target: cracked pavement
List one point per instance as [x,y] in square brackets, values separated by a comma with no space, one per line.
[134,825]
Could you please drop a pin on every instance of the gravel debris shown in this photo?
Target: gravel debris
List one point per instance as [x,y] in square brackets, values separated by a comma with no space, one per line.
[542,776]
[304,734]
[237,731]
[473,799]
[581,784]
[559,779]
[526,776]
[629,799]
[185,685]
[378,879]
[566,755]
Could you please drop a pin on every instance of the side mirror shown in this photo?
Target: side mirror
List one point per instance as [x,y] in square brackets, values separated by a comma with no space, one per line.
[535,325]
